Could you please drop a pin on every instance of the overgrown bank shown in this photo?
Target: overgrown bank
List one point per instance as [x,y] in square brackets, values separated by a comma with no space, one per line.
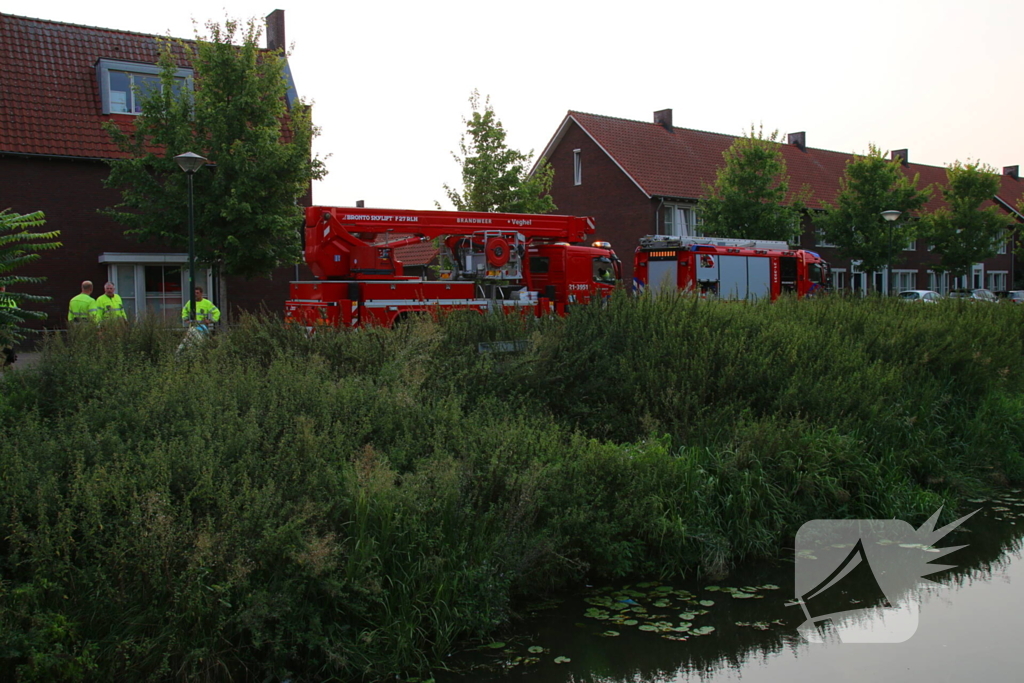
[349,505]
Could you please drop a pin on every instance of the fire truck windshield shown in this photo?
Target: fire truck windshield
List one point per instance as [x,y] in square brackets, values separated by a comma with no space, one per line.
[604,270]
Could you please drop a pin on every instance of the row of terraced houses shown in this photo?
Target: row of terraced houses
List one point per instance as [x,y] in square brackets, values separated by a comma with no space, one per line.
[61,82]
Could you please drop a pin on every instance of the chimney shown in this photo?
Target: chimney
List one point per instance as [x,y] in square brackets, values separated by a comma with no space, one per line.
[799,140]
[1012,171]
[664,117]
[360,204]
[902,155]
[275,31]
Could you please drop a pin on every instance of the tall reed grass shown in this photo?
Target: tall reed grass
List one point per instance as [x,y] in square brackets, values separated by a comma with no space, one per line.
[350,504]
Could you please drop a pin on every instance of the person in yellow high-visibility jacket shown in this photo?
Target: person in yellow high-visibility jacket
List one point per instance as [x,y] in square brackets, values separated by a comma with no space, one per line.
[82,308]
[7,355]
[206,312]
[109,305]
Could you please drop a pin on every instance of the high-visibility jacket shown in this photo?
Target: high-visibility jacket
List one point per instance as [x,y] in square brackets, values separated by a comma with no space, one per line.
[206,312]
[7,301]
[110,307]
[82,309]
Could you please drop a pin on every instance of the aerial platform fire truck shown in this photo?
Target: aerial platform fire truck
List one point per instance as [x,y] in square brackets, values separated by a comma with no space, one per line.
[727,268]
[488,262]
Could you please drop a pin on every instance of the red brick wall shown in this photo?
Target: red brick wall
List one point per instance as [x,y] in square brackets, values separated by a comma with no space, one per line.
[622,212]
[70,193]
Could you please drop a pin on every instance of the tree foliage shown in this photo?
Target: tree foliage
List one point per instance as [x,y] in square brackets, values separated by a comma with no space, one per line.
[870,185]
[494,177]
[19,246]
[962,233]
[259,152]
[749,196]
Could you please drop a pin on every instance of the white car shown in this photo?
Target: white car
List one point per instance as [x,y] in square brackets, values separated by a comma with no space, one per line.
[974,295]
[926,296]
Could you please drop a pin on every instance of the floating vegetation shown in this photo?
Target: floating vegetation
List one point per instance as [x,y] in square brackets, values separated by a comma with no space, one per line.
[706,603]
[610,634]
[535,649]
[562,660]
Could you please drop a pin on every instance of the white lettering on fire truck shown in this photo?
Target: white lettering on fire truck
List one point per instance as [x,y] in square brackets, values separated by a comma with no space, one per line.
[578,288]
[367,217]
[521,221]
[483,221]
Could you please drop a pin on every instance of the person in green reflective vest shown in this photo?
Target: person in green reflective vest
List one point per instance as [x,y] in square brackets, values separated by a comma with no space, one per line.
[109,305]
[7,355]
[206,312]
[82,309]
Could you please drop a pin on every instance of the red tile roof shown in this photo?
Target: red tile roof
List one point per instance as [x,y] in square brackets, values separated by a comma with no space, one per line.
[677,163]
[51,99]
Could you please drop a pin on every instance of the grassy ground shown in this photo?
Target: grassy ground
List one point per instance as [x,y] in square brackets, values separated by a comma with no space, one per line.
[350,505]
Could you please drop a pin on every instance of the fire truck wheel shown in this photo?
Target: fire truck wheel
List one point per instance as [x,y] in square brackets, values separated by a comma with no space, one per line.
[497,252]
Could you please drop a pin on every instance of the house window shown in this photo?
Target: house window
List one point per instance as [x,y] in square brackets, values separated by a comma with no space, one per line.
[819,239]
[154,285]
[903,280]
[911,246]
[838,279]
[938,282]
[1002,247]
[577,167]
[995,280]
[681,220]
[123,85]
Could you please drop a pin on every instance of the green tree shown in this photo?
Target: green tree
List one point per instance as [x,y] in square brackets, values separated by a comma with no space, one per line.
[19,246]
[870,185]
[749,196]
[259,152]
[494,177]
[962,233]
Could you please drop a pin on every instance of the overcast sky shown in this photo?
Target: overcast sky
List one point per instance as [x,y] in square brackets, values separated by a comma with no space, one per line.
[391,81]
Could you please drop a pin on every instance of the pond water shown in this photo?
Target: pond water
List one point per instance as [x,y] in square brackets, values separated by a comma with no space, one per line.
[970,625]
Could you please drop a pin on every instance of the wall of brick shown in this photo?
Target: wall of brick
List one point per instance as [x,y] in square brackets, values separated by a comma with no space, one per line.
[70,193]
[622,212]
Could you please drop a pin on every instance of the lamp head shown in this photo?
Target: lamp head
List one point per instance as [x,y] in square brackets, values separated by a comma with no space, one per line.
[889,215]
[190,162]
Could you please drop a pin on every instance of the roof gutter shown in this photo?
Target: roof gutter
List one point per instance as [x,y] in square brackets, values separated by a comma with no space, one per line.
[32,155]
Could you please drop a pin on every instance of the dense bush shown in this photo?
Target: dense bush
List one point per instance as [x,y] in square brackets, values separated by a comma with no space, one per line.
[351,503]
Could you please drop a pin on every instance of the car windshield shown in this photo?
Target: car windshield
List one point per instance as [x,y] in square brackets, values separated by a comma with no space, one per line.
[909,295]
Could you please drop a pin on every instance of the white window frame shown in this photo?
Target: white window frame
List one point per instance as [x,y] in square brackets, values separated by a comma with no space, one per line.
[819,239]
[204,276]
[904,279]
[105,66]
[996,280]
[685,221]
[938,282]
[839,282]
[577,167]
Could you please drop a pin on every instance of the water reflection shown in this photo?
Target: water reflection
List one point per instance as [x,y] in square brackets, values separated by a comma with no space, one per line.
[969,628]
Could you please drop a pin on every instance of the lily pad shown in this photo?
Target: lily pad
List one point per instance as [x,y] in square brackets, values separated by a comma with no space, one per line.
[740,595]
[496,646]
[630,622]
[708,603]
[712,588]
[648,627]
[562,660]
[687,616]
[535,649]
[610,634]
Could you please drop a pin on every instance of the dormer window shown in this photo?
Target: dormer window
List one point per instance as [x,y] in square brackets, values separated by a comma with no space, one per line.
[123,85]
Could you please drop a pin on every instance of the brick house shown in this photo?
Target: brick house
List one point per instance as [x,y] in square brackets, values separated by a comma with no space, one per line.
[638,178]
[61,82]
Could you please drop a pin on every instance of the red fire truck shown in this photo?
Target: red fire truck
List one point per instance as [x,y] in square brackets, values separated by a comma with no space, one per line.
[727,268]
[488,262]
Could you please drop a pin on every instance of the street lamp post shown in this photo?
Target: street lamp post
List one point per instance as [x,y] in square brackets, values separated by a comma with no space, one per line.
[890,216]
[190,163]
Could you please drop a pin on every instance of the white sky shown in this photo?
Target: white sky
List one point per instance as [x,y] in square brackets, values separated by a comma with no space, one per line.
[390,80]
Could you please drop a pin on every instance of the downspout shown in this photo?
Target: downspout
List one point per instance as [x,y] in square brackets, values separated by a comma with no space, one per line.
[657,215]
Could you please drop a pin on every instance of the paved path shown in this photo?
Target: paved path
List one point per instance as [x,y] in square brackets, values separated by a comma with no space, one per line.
[27,360]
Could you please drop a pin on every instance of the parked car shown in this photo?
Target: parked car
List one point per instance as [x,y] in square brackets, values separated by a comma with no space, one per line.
[926,296]
[973,295]
[1015,296]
